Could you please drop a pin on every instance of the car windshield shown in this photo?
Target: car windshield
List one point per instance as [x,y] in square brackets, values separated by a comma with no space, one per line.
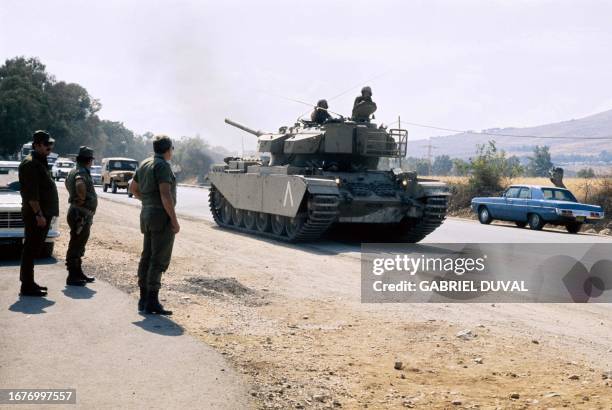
[557,194]
[9,177]
[96,169]
[123,165]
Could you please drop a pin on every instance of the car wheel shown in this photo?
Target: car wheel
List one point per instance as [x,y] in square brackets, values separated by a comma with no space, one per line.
[484,216]
[130,194]
[114,187]
[521,224]
[535,222]
[573,227]
[104,187]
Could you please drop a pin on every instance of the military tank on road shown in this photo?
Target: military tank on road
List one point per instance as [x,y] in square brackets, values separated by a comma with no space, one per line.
[323,175]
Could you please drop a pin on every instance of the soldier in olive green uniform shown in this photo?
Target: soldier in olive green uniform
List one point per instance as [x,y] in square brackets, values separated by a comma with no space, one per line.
[155,185]
[83,203]
[39,205]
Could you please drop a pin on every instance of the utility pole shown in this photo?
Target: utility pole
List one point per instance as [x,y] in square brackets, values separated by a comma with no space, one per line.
[429,148]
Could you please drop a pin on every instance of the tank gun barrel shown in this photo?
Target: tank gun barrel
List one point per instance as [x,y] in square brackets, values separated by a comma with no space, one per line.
[243,127]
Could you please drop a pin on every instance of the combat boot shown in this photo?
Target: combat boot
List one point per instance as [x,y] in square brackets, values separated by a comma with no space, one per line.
[143,299]
[32,290]
[153,306]
[86,278]
[74,279]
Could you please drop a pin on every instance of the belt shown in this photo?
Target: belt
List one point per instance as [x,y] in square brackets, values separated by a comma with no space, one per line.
[86,211]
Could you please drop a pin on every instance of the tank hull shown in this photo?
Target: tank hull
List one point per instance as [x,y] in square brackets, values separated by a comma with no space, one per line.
[295,207]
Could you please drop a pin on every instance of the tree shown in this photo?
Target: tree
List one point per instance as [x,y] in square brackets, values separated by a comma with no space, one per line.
[487,169]
[513,167]
[586,173]
[442,165]
[193,157]
[23,108]
[461,168]
[540,163]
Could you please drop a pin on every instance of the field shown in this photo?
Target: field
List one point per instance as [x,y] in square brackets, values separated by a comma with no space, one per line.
[582,188]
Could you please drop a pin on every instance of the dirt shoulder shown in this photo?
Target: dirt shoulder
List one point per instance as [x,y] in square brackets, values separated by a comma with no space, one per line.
[290,319]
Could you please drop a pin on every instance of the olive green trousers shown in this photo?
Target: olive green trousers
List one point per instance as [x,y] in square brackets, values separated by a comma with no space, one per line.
[156,248]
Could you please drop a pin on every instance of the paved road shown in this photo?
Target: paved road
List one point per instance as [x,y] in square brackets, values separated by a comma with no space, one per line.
[193,202]
[93,340]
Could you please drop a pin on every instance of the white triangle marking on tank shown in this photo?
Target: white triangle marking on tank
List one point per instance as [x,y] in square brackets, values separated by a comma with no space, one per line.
[288,194]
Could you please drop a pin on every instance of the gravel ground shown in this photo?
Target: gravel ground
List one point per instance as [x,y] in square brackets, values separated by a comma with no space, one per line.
[291,320]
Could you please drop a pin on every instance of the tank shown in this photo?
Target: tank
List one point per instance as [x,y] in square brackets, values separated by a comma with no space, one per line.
[319,176]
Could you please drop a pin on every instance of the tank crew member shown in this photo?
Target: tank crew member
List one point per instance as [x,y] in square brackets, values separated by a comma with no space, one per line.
[40,204]
[320,114]
[364,99]
[155,185]
[83,203]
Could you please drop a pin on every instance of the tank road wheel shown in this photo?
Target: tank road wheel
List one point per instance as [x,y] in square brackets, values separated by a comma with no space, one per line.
[278,223]
[262,220]
[237,216]
[294,226]
[250,219]
[226,212]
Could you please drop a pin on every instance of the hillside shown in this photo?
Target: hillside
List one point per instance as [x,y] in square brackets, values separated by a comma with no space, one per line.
[464,145]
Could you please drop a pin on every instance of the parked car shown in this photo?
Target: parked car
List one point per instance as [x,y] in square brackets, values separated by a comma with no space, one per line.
[116,173]
[537,205]
[11,219]
[96,174]
[61,168]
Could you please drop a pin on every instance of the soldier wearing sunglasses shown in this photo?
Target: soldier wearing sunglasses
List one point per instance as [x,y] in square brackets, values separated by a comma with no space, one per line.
[40,204]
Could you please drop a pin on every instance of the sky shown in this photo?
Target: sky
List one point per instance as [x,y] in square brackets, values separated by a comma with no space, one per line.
[181,67]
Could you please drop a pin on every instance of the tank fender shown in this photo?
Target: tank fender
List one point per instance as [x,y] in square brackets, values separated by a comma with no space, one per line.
[322,186]
[430,188]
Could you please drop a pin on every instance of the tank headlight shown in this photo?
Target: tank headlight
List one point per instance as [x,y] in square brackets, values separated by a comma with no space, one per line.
[338,181]
[404,182]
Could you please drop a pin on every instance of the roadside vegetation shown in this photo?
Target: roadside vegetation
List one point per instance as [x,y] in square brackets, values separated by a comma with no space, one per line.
[32,98]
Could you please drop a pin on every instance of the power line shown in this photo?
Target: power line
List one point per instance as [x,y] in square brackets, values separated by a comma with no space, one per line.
[499,134]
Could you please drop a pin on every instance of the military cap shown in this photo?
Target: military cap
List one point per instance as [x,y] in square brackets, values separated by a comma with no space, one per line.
[366,89]
[85,152]
[161,144]
[42,137]
[322,104]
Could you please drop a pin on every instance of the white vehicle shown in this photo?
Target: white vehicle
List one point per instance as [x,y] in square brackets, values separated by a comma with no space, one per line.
[27,148]
[61,168]
[11,220]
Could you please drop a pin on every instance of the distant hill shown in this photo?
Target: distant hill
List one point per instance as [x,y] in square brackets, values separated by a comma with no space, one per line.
[464,145]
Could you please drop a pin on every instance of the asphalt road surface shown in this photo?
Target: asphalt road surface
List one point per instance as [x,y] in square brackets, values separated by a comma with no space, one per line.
[92,339]
[193,203]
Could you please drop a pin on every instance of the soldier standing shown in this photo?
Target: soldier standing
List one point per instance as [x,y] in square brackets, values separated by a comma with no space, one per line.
[155,185]
[83,203]
[320,113]
[364,99]
[39,205]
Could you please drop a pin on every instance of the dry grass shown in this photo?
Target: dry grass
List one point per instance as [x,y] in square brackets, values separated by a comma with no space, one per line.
[582,188]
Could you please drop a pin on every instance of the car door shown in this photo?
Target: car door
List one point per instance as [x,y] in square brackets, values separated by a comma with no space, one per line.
[520,205]
[507,208]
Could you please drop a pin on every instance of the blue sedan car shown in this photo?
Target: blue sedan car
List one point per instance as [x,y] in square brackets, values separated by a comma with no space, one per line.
[536,205]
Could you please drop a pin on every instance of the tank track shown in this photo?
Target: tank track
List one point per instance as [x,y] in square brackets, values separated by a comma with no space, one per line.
[415,230]
[322,212]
